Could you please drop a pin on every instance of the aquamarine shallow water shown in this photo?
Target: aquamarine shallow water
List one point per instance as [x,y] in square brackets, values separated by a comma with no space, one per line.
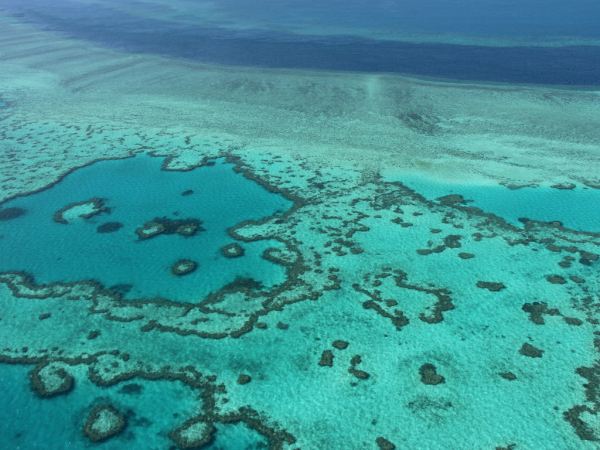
[136,190]
[577,209]
[63,417]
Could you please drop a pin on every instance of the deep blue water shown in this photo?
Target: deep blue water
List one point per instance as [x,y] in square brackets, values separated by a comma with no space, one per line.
[570,65]
[539,18]
[137,192]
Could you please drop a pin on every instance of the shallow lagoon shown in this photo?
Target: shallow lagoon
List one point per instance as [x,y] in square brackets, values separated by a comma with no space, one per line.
[63,416]
[137,191]
[577,209]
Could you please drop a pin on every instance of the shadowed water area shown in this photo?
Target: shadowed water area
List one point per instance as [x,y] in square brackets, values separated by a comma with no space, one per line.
[105,247]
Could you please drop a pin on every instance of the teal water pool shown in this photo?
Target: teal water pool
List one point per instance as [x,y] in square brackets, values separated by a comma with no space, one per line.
[39,236]
[64,416]
[577,208]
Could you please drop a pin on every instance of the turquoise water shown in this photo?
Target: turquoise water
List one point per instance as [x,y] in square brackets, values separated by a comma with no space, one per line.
[578,208]
[389,319]
[137,192]
[63,417]
[237,436]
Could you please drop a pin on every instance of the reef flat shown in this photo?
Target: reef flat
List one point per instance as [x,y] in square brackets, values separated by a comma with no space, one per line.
[401,320]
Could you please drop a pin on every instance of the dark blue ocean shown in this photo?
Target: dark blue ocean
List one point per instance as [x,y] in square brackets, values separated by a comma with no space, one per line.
[562,65]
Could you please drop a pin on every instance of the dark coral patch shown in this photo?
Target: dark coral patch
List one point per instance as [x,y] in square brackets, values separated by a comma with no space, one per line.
[360,374]
[43,390]
[451,200]
[384,444]
[453,241]
[103,423]
[164,225]
[398,318]
[149,230]
[537,310]
[556,279]
[466,255]
[193,434]
[11,213]
[490,286]
[508,376]
[184,267]
[573,321]
[340,345]
[244,379]
[588,255]
[93,334]
[232,251]
[97,208]
[429,375]
[564,186]
[530,351]
[109,227]
[509,447]
[326,358]
[188,192]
